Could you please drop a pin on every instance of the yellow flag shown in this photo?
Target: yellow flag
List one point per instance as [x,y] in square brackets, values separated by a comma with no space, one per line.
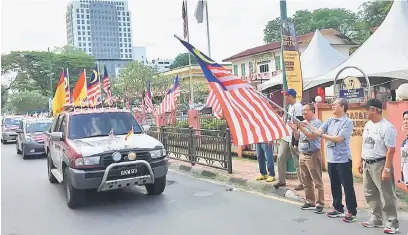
[59,98]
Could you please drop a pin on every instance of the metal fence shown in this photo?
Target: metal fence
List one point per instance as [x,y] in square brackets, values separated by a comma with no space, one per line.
[205,147]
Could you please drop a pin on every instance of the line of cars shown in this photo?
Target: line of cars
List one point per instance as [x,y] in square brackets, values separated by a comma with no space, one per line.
[27,132]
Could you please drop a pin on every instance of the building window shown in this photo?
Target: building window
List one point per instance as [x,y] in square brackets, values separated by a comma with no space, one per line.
[77,10]
[235,70]
[83,21]
[251,68]
[79,38]
[277,63]
[78,21]
[264,68]
[128,34]
[243,72]
[79,32]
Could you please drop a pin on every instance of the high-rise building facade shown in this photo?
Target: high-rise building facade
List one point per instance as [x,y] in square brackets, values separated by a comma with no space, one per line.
[101,29]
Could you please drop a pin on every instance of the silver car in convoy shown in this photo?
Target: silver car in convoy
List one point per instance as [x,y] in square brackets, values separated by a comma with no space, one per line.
[30,136]
[9,125]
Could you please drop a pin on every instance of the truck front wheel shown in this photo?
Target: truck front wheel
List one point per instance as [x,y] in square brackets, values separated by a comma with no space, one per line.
[75,197]
[158,186]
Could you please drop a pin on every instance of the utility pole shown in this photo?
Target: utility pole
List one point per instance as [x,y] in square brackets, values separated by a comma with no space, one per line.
[290,165]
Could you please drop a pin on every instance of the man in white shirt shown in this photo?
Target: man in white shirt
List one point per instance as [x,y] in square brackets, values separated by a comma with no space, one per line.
[376,165]
[288,145]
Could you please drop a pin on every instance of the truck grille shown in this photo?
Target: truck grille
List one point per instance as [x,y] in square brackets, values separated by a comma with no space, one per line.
[107,159]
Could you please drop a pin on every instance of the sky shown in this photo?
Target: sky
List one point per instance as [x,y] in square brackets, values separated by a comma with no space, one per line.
[235,25]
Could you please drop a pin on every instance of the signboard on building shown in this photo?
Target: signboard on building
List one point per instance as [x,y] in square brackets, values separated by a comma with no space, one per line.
[291,58]
[351,89]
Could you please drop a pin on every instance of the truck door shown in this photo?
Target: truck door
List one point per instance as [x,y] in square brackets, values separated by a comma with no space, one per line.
[52,144]
[60,147]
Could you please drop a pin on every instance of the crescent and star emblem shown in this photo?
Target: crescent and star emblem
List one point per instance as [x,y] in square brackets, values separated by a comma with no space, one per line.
[202,57]
[95,76]
[66,82]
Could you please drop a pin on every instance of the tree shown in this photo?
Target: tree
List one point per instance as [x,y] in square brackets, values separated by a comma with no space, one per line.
[4,95]
[340,19]
[182,60]
[28,101]
[372,14]
[33,68]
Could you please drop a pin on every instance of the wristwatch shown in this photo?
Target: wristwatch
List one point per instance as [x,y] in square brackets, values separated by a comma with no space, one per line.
[388,170]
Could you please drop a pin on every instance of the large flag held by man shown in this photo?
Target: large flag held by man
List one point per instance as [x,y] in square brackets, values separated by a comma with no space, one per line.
[250,117]
[59,98]
[169,102]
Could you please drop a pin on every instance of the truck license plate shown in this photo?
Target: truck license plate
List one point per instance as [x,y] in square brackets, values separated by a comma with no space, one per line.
[128,172]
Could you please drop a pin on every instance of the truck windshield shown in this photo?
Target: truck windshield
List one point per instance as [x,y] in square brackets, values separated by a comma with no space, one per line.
[12,122]
[100,124]
[38,126]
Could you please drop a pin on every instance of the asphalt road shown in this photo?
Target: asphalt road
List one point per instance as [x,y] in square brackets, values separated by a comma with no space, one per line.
[32,206]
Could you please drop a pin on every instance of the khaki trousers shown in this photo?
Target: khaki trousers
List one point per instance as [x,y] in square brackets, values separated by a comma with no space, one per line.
[311,171]
[380,194]
[287,151]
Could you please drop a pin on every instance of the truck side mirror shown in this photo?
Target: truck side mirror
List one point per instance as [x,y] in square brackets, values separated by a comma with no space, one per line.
[56,136]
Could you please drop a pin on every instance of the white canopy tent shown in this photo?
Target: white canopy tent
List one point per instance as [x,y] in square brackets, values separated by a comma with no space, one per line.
[384,54]
[318,58]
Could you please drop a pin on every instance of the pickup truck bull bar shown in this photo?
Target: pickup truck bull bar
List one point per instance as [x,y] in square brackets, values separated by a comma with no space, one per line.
[121,183]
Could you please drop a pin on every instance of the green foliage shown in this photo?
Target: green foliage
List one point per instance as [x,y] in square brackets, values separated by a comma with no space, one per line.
[355,26]
[305,21]
[33,69]
[182,60]
[4,95]
[213,124]
[182,124]
[28,101]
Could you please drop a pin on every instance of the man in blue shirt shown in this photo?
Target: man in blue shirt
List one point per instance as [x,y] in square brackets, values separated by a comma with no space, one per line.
[310,159]
[337,132]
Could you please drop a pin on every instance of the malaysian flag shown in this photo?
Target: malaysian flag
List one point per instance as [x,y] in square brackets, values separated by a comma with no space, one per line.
[212,102]
[148,98]
[169,102]
[250,117]
[184,15]
[106,85]
[94,88]
[67,90]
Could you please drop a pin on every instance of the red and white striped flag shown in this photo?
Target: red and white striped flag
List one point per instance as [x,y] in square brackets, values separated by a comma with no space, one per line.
[106,85]
[148,98]
[250,117]
[94,88]
[169,102]
[67,90]
[214,104]
[184,15]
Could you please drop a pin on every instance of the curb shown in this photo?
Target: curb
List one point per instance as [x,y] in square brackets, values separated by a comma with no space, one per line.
[253,184]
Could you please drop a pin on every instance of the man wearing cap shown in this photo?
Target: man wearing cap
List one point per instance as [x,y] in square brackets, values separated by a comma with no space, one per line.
[376,165]
[288,144]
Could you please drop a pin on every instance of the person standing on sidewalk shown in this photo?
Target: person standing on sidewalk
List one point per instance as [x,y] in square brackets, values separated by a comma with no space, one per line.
[404,150]
[264,154]
[288,145]
[310,159]
[337,132]
[376,165]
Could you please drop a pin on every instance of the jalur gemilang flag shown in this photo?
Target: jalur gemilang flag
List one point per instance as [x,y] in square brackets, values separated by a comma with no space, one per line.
[169,102]
[249,116]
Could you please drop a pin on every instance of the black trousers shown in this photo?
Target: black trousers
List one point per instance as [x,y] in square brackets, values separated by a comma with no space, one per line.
[341,175]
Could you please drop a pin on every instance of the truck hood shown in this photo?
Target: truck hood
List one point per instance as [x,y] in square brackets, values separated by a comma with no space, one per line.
[97,145]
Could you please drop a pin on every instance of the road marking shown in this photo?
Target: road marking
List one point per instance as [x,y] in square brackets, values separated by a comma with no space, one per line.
[237,188]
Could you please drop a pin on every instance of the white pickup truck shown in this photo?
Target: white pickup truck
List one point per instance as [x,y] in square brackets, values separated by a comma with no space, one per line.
[103,149]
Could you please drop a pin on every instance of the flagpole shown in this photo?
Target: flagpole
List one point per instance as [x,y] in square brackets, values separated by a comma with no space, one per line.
[208,29]
[86,87]
[189,58]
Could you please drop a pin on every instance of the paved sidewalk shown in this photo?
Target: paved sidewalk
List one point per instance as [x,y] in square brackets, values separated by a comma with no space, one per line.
[245,171]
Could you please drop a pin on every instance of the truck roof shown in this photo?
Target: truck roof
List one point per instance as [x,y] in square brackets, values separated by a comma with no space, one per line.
[34,120]
[80,111]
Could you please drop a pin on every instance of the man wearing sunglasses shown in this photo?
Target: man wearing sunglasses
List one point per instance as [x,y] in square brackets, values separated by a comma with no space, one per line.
[376,165]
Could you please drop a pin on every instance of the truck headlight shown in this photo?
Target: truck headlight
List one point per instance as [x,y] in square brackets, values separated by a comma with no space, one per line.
[158,153]
[30,139]
[87,161]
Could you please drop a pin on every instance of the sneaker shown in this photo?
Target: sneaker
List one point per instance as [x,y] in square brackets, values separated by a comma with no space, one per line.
[270,179]
[335,214]
[279,184]
[390,230]
[262,177]
[349,218]
[373,222]
[299,187]
[318,210]
[308,206]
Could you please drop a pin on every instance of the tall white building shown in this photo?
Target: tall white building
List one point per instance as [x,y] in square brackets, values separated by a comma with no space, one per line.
[101,29]
[161,65]
[139,54]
